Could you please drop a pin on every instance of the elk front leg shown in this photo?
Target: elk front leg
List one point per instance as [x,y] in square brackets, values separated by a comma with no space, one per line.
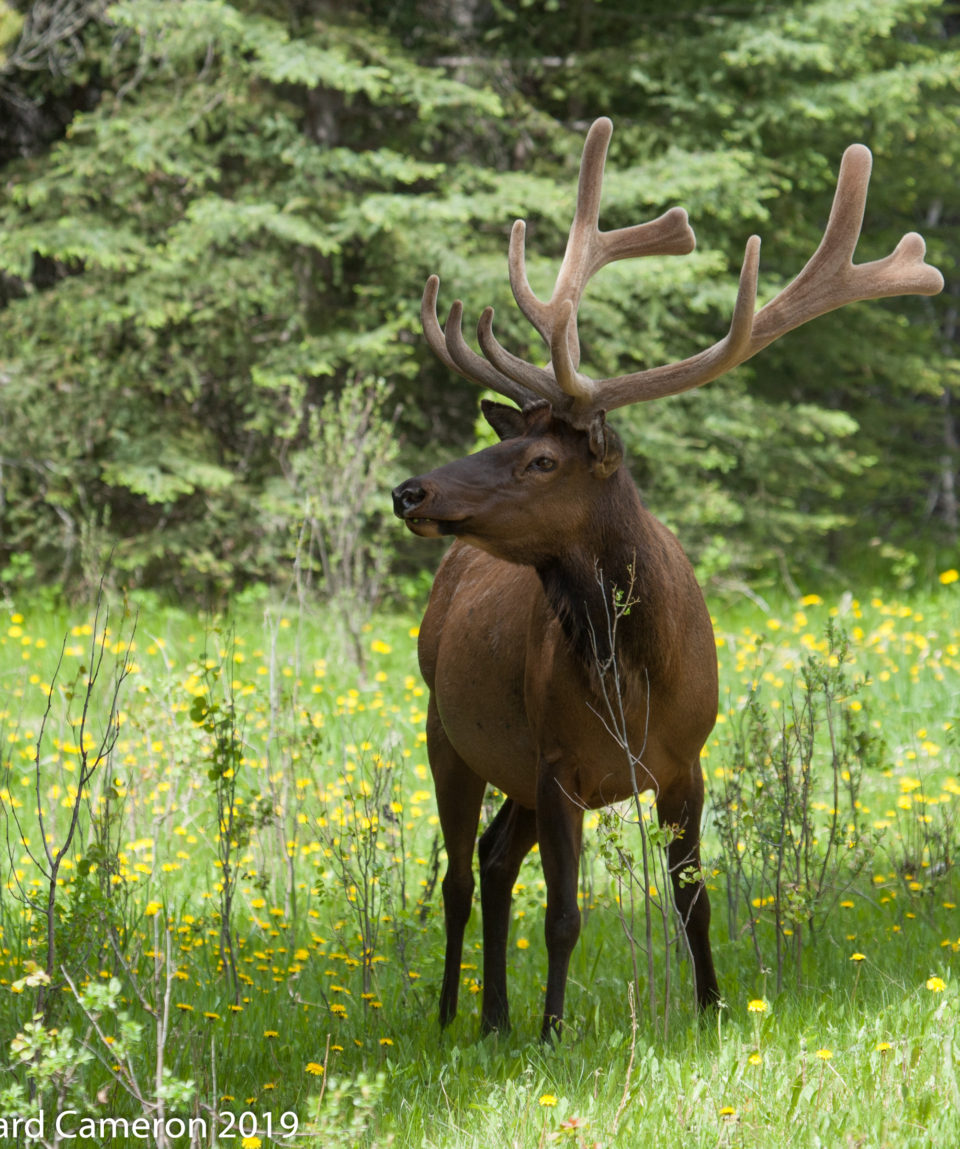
[503,846]
[459,798]
[560,831]
[681,808]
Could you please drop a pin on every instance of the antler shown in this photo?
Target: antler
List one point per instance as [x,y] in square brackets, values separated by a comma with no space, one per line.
[588,249]
[828,281]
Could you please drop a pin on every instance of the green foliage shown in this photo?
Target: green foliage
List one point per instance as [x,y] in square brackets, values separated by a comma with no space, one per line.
[212,287]
[236,224]
[343,1045]
[789,855]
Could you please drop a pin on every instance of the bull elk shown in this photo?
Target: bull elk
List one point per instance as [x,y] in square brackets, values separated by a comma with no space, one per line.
[548,527]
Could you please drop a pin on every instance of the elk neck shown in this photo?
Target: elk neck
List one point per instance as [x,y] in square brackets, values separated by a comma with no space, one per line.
[620,555]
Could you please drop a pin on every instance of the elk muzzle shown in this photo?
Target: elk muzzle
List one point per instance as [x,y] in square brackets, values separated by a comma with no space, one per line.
[410,497]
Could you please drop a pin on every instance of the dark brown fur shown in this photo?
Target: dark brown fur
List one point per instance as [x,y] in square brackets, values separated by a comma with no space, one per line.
[512,647]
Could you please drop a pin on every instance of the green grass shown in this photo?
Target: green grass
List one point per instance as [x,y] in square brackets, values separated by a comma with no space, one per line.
[337,926]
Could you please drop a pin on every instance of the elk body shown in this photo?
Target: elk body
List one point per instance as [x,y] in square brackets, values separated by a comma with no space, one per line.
[538,684]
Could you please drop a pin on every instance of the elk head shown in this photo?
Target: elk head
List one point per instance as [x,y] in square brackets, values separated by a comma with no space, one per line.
[560,426]
[522,497]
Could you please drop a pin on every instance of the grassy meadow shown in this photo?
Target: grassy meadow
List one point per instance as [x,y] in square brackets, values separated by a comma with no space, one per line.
[220,916]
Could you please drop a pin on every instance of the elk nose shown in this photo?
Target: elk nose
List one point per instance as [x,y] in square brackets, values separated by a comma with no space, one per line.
[407,496]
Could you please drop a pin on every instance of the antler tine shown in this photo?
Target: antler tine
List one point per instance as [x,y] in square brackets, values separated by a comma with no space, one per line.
[588,249]
[829,280]
[540,380]
[452,349]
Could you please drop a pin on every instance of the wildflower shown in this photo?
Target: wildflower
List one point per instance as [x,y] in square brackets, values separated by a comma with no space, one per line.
[522,944]
[883,1046]
[758,1005]
[936,984]
[185,1007]
[378,646]
[824,1054]
[250,1143]
[152,909]
[947,577]
[728,1111]
[386,1041]
[755,1059]
[210,1015]
[338,1009]
[315,1068]
[858,957]
[548,1099]
[270,1033]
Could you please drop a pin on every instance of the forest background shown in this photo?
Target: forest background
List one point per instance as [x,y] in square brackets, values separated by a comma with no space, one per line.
[216,220]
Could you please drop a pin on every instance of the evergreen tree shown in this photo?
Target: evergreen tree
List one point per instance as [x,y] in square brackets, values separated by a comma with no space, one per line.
[229,242]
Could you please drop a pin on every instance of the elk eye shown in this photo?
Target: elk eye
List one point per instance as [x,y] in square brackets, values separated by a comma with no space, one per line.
[543,463]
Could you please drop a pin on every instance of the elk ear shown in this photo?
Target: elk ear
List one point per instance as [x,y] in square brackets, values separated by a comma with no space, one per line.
[508,422]
[605,447]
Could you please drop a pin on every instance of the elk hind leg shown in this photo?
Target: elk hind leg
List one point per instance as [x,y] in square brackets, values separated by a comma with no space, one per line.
[681,808]
[459,798]
[503,846]
[560,830]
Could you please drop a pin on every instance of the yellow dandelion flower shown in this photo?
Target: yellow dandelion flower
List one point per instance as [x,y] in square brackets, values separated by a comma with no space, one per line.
[758,1005]
[386,1041]
[270,1033]
[315,1068]
[936,984]
[250,1143]
[883,1046]
[755,1059]
[152,909]
[824,1054]
[522,944]
[728,1111]
[947,577]
[548,1100]
[858,957]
